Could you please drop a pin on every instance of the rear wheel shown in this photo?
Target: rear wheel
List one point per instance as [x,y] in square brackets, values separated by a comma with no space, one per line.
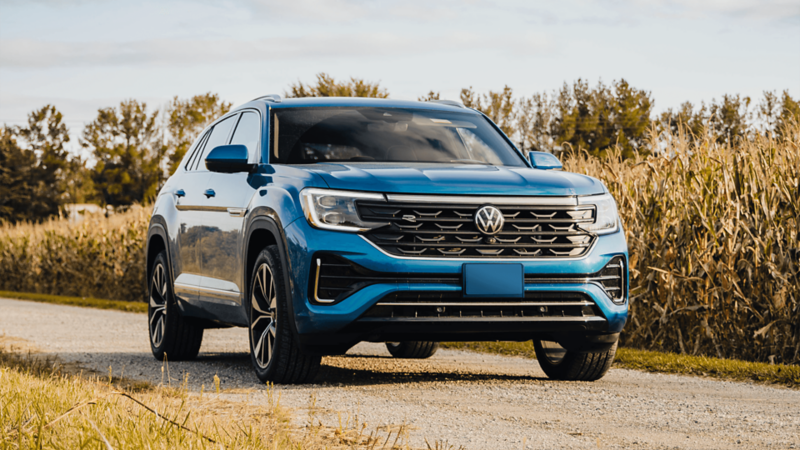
[274,351]
[412,349]
[562,364]
[171,335]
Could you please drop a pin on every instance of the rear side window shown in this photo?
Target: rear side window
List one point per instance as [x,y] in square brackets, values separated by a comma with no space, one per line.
[219,136]
[248,130]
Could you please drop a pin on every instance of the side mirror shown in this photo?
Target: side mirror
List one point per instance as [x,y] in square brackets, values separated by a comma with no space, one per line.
[544,161]
[228,159]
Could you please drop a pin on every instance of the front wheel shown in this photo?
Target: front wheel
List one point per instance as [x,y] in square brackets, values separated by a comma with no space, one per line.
[274,351]
[412,349]
[562,364]
[171,335]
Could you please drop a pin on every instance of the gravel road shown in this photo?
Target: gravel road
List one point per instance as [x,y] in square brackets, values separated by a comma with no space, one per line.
[466,399]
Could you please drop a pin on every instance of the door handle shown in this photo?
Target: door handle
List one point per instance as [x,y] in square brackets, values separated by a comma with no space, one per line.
[209,193]
[180,193]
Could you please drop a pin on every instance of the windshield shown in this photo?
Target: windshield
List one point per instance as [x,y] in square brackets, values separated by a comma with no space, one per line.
[357,134]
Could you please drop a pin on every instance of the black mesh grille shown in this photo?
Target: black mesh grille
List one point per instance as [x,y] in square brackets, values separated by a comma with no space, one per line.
[613,279]
[334,279]
[431,230]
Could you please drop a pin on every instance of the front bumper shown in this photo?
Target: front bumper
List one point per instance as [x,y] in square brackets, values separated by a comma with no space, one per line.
[352,318]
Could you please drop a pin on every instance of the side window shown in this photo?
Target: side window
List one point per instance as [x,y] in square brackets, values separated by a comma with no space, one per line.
[219,136]
[194,151]
[247,133]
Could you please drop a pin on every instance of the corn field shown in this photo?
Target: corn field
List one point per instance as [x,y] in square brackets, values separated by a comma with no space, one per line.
[714,241]
[712,230]
[100,257]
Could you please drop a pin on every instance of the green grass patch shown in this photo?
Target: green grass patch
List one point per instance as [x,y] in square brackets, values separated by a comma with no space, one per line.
[659,362]
[138,307]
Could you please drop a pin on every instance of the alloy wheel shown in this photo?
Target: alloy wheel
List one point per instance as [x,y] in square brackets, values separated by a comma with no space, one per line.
[158,305]
[263,315]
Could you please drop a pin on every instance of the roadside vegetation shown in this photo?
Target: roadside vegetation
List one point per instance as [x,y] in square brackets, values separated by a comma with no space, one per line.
[45,406]
[661,362]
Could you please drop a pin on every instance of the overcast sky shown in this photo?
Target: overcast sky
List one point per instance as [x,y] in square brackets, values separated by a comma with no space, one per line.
[82,55]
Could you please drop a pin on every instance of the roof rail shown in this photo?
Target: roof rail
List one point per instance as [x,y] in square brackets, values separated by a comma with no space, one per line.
[455,103]
[270,98]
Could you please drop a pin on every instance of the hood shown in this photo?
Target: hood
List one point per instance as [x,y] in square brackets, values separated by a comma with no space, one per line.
[454,179]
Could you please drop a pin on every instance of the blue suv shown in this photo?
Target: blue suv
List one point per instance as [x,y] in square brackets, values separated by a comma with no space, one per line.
[319,223]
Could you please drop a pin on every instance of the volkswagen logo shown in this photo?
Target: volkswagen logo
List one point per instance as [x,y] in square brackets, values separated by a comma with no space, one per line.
[489,220]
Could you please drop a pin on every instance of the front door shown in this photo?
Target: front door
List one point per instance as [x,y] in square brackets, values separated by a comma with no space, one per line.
[193,215]
[222,250]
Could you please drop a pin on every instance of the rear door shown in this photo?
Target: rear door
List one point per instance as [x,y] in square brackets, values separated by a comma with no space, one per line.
[222,251]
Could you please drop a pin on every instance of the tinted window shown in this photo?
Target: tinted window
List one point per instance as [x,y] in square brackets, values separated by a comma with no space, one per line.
[310,135]
[248,130]
[219,136]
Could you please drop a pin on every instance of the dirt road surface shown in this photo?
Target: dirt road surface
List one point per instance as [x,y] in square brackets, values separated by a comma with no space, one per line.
[466,399]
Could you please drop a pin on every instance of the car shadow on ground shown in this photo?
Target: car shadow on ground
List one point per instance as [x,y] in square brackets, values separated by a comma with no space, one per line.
[344,370]
[363,377]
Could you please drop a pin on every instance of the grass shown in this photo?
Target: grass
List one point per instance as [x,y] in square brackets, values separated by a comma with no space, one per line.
[138,307]
[44,406]
[661,362]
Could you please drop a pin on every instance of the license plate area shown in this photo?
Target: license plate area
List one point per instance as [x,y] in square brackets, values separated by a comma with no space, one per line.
[493,280]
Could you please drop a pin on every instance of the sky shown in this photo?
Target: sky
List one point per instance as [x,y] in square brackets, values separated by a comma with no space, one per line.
[82,55]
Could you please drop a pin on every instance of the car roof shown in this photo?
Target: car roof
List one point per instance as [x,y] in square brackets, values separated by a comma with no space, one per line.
[311,102]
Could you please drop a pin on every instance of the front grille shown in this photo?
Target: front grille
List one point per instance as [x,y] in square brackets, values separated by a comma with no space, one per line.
[447,230]
[556,305]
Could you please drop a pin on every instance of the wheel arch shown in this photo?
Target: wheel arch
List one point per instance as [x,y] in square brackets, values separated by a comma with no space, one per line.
[264,229]
[156,243]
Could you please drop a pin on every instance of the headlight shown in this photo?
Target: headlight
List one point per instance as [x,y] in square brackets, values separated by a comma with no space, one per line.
[607,220]
[336,210]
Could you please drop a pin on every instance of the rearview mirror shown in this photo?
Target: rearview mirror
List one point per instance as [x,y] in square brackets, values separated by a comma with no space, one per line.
[229,159]
[544,161]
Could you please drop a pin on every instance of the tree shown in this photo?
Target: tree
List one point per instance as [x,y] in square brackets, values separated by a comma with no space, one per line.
[327,86]
[728,119]
[34,167]
[790,113]
[684,120]
[470,99]
[18,184]
[498,106]
[535,117]
[127,145]
[186,119]
[430,96]
[600,118]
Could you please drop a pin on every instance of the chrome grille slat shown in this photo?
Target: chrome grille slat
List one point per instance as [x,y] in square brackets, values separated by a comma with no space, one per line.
[422,229]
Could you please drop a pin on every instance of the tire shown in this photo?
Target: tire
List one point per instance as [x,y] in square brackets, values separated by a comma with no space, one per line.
[171,335]
[561,364]
[274,351]
[412,349]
